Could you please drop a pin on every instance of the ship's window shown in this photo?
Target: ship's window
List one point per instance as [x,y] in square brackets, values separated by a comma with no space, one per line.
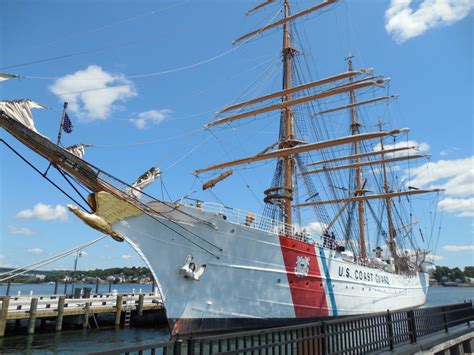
[224,216]
[307,283]
[279,280]
[232,230]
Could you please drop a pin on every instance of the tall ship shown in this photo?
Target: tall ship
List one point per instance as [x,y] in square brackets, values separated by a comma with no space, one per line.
[336,235]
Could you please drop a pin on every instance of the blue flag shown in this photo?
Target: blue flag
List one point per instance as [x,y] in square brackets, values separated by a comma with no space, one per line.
[67,124]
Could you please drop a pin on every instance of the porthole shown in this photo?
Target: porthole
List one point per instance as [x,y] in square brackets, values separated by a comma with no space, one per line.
[232,230]
[224,217]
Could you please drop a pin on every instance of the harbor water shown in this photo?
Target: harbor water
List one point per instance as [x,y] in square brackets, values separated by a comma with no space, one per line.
[83,341]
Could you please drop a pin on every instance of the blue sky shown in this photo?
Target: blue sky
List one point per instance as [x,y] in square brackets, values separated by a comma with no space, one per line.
[156,120]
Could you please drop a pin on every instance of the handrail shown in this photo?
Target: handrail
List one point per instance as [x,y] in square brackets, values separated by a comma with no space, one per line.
[355,334]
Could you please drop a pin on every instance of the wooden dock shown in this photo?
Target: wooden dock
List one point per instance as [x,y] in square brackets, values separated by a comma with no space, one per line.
[58,307]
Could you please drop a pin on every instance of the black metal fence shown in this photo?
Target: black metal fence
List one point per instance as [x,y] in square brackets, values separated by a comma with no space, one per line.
[344,335]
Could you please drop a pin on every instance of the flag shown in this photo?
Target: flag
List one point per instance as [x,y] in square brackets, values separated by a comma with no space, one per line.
[67,124]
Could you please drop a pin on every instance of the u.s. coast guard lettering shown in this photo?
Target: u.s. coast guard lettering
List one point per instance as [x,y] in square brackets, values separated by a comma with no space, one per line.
[359,275]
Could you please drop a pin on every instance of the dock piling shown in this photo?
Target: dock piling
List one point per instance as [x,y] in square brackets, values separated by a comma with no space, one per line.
[87,311]
[56,287]
[97,285]
[141,300]
[4,315]
[8,288]
[32,320]
[59,318]
[118,309]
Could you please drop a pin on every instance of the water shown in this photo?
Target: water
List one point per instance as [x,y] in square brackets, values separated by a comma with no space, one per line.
[81,341]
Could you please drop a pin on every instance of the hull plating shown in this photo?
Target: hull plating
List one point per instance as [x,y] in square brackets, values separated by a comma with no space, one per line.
[257,275]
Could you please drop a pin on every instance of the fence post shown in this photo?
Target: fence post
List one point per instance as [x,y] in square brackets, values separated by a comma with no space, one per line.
[412,325]
[191,345]
[390,329]
[469,311]
[445,320]
[177,346]
[324,341]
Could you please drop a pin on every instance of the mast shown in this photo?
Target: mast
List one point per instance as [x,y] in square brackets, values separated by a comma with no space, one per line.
[386,186]
[355,129]
[288,122]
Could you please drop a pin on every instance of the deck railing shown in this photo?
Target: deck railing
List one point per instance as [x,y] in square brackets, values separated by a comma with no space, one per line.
[343,335]
[251,219]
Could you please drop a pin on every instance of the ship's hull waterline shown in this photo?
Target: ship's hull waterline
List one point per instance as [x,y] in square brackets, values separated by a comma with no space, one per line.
[253,277]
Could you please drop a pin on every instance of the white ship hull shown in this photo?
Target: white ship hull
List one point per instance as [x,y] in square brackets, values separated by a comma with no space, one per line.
[255,279]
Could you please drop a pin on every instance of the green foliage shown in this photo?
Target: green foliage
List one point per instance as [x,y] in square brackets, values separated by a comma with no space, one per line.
[444,273]
[59,275]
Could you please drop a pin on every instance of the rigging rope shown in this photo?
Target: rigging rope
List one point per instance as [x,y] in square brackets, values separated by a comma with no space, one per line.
[47,261]
[87,51]
[169,71]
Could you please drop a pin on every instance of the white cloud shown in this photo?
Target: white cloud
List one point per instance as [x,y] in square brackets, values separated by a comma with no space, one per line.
[432,257]
[419,148]
[458,248]
[2,256]
[403,22]
[448,151]
[20,230]
[457,176]
[88,103]
[315,228]
[462,207]
[45,212]
[127,257]
[149,118]
[35,251]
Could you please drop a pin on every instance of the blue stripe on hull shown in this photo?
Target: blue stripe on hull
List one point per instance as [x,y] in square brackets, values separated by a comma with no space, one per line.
[329,287]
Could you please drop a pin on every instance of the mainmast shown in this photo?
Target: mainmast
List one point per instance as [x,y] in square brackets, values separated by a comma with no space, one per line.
[355,129]
[388,201]
[287,120]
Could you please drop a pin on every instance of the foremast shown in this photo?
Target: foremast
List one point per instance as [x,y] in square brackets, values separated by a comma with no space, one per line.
[355,129]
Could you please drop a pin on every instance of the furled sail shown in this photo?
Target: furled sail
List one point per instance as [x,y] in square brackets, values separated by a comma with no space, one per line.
[143,181]
[213,182]
[20,110]
[6,76]
[78,149]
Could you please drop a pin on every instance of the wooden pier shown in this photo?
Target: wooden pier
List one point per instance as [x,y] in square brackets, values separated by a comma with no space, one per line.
[60,307]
